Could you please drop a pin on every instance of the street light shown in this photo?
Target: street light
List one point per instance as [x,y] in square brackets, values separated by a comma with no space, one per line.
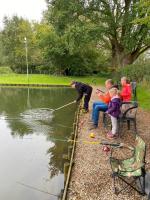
[26,48]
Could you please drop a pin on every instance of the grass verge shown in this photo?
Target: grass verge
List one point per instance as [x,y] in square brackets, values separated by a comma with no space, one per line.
[142,92]
[143,95]
[47,79]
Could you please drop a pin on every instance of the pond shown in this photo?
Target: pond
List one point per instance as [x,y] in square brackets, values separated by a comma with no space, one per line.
[32,141]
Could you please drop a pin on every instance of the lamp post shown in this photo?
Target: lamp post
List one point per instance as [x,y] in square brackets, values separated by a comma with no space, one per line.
[26,48]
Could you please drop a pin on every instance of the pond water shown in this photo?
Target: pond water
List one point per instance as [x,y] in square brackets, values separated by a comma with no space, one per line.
[31,142]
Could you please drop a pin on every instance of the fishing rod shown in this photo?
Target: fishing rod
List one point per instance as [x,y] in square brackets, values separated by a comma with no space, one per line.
[65,105]
[87,142]
[96,142]
[53,110]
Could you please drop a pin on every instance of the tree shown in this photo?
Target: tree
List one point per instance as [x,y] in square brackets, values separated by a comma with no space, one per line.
[70,44]
[112,24]
[13,34]
[72,52]
[144,10]
[2,56]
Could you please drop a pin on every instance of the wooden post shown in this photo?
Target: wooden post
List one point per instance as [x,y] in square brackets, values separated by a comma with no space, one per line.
[61,194]
[66,168]
[65,156]
[72,136]
[71,139]
[70,152]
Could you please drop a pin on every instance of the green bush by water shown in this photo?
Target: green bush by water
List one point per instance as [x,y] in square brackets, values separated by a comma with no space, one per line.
[136,72]
[5,70]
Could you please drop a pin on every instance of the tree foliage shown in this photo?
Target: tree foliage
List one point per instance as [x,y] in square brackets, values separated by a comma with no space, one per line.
[71,45]
[144,10]
[3,58]
[12,37]
[112,22]
[139,72]
[78,37]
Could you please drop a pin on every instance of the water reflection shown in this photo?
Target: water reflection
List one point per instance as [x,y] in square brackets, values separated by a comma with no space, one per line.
[27,143]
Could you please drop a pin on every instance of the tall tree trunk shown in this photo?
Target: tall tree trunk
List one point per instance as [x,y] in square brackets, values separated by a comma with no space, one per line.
[120,58]
[128,59]
[117,54]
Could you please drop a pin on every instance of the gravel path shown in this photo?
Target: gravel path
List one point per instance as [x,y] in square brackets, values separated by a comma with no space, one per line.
[90,179]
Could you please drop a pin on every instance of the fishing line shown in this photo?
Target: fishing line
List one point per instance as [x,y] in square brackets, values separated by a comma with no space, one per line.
[52,110]
[61,125]
[57,124]
[86,141]
[37,189]
[70,140]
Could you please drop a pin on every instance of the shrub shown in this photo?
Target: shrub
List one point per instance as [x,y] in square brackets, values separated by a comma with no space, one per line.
[137,72]
[5,70]
[42,69]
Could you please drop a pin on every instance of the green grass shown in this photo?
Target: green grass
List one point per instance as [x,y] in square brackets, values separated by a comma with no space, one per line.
[46,79]
[143,95]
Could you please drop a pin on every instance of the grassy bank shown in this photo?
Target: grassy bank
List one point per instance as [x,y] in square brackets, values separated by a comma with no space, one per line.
[142,92]
[143,95]
[46,79]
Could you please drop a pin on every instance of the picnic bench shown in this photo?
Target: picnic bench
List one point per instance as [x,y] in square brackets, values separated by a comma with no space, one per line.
[128,113]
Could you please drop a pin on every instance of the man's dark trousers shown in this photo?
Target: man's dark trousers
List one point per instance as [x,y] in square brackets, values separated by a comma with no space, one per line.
[87,99]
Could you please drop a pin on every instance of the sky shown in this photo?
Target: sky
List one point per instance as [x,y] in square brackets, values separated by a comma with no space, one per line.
[28,9]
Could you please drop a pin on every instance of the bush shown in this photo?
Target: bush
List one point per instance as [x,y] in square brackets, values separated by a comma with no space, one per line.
[5,70]
[42,69]
[136,72]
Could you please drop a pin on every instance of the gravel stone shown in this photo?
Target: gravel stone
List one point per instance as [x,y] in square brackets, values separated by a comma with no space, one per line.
[91,173]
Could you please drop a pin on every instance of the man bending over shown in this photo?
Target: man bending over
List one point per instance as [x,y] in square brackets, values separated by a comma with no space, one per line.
[83,90]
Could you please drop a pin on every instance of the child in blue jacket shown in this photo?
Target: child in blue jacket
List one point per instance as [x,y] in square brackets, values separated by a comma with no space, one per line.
[114,111]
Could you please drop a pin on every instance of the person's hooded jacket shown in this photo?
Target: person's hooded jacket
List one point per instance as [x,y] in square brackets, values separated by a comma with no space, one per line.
[114,107]
[82,89]
[126,92]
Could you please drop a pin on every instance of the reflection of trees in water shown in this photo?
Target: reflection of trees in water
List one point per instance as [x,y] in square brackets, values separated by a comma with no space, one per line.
[13,102]
[56,162]
[60,147]
[56,152]
[16,101]
[19,128]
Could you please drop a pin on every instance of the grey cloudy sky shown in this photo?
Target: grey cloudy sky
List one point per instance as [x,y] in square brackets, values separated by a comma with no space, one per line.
[29,9]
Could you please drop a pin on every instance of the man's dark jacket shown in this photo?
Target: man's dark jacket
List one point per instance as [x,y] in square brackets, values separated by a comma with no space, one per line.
[82,89]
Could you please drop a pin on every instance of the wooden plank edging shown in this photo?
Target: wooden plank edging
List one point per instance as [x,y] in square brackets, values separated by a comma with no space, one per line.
[76,123]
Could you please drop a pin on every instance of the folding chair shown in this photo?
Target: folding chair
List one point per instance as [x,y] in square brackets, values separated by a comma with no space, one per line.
[131,170]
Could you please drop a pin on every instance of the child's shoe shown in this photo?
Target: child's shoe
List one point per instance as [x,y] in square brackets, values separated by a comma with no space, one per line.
[111,136]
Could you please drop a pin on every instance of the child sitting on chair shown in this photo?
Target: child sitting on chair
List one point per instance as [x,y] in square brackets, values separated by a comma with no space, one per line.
[114,112]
